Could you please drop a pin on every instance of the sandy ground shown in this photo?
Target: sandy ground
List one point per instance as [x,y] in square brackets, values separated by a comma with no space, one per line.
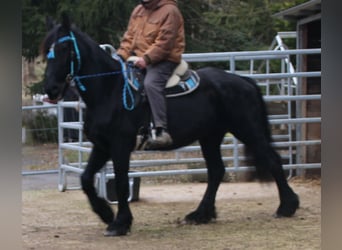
[63,220]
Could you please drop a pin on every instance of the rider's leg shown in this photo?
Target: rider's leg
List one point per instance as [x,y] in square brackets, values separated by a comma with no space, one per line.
[154,85]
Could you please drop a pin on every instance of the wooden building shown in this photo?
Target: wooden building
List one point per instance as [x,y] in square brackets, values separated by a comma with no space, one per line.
[308,19]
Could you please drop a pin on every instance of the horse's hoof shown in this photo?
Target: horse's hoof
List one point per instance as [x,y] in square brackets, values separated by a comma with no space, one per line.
[114,233]
[108,233]
[287,208]
[195,218]
[115,230]
[277,216]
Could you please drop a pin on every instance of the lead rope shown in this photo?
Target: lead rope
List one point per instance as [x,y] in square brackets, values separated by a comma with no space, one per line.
[127,90]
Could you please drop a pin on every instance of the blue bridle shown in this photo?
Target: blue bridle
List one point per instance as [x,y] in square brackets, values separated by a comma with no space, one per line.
[72,77]
[71,37]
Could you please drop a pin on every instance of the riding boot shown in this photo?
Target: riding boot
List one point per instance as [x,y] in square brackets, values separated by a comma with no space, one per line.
[162,140]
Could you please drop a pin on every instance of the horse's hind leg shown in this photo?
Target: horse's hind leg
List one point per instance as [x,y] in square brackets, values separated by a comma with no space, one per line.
[289,200]
[267,160]
[205,212]
[100,206]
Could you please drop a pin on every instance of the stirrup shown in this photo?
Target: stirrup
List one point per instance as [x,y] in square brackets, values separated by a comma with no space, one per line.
[160,142]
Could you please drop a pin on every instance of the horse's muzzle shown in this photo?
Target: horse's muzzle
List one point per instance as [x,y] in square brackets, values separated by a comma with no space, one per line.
[55,91]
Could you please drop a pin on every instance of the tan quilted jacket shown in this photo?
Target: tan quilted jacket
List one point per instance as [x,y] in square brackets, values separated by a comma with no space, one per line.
[155,32]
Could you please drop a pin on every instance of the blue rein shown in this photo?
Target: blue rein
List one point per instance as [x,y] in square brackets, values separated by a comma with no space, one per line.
[127,90]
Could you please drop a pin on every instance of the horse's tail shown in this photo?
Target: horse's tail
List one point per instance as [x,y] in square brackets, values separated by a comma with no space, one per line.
[260,153]
[264,112]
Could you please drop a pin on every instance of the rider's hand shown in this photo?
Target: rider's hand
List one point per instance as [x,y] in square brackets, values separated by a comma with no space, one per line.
[140,63]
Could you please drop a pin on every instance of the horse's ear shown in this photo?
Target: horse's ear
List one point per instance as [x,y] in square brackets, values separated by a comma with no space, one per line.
[49,23]
[66,21]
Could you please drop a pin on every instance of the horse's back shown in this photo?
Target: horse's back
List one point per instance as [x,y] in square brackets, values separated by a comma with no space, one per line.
[229,86]
[238,99]
[217,76]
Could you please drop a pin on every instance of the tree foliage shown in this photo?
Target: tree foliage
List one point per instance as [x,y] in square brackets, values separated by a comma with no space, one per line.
[210,25]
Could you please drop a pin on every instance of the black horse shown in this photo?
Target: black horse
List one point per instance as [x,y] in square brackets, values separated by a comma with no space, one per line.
[222,103]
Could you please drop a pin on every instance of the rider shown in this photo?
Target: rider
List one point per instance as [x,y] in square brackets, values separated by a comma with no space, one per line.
[155,34]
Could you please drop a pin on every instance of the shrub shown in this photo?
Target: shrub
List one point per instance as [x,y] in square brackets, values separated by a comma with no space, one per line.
[41,126]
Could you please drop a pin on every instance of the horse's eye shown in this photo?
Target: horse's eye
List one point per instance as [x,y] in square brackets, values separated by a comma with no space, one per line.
[61,49]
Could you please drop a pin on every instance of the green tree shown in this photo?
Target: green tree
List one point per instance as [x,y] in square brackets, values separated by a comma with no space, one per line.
[104,20]
[33,29]
[210,25]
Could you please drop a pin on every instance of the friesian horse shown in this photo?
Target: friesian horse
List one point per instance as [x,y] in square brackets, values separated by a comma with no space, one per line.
[222,103]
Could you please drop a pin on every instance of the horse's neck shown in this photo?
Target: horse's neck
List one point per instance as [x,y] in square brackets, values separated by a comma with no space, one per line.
[101,89]
[98,61]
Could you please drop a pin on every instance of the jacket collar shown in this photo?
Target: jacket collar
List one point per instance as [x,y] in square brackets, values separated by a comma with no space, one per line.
[155,4]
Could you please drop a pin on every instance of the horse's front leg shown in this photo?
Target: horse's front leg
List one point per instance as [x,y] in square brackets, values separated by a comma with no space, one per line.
[100,206]
[122,224]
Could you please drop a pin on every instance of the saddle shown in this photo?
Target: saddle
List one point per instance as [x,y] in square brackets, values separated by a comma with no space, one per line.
[182,81]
